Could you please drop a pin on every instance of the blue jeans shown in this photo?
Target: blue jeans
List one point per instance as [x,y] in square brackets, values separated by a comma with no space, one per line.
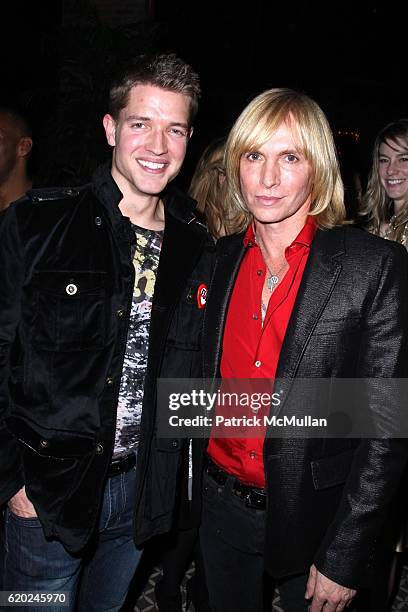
[98,583]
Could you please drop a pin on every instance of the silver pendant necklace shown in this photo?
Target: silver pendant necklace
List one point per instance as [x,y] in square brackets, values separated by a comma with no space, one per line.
[273,279]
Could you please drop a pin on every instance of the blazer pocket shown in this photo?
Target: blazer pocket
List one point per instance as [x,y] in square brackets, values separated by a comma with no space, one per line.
[331,471]
[70,313]
[335,326]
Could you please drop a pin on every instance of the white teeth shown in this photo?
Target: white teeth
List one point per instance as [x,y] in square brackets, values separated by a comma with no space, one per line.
[151,165]
[395,181]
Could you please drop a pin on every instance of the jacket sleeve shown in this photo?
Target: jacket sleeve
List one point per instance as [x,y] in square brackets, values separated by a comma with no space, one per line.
[346,553]
[11,281]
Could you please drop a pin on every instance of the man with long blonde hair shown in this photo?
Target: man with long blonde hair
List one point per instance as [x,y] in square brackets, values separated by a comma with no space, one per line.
[298,294]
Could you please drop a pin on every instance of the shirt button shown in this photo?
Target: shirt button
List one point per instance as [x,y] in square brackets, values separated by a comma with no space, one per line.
[109,381]
[252,454]
[258,364]
[44,443]
[255,316]
[99,449]
[98,221]
[259,272]
[120,313]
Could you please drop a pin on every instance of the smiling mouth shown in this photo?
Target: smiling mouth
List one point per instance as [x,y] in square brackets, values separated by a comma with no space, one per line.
[395,181]
[151,165]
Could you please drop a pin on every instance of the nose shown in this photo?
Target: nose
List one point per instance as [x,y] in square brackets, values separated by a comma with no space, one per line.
[270,174]
[392,166]
[157,143]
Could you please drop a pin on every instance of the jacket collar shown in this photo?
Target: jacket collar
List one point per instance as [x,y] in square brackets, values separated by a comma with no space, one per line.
[176,203]
[319,278]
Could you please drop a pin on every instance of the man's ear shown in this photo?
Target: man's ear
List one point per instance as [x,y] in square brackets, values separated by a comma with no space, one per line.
[24,146]
[110,129]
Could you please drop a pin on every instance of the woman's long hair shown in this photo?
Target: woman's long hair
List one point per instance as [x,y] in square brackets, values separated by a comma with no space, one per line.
[208,187]
[376,205]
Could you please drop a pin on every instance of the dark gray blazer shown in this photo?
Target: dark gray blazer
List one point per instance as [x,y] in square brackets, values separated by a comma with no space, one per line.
[328,497]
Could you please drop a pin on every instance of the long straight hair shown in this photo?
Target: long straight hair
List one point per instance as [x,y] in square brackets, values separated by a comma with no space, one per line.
[314,138]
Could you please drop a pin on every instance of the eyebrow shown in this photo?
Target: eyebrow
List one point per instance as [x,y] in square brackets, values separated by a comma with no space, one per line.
[290,151]
[141,118]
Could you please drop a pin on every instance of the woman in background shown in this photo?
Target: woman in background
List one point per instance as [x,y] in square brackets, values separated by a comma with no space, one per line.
[385,208]
[208,188]
[386,200]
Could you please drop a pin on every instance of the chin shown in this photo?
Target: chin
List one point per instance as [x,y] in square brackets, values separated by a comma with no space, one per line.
[267,219]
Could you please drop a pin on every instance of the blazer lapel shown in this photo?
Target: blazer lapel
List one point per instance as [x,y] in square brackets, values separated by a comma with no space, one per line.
[230,252]
[319,279]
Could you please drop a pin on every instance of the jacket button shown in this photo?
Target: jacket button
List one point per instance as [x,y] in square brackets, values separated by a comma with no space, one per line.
[98,221]
[44,443]
[174,444]
[109,381]
[71,289]
[120,313]
[99,449]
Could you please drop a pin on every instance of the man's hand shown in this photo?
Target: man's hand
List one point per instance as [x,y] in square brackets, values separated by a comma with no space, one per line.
[20,505]
[327,595]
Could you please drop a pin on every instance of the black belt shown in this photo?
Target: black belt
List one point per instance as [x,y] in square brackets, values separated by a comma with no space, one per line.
[252,496]
[122,465]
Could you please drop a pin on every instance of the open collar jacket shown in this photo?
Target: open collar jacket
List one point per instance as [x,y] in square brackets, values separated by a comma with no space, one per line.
[66,285]
[328,497]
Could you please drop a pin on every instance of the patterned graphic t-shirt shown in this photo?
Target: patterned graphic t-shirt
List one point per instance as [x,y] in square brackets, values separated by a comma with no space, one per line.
[145,260]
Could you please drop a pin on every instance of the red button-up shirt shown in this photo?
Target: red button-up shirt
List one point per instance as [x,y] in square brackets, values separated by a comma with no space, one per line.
[250,349]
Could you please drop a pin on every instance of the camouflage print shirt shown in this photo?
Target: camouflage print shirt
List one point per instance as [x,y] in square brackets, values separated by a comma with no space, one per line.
[145,260]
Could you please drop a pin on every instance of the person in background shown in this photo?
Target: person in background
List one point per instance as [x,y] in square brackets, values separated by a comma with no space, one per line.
[298,294]
[15,147]
[207,187]
[385,202]
[384,208]
[109,267]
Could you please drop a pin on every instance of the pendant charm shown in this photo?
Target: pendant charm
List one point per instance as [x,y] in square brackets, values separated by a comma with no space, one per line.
[271,282]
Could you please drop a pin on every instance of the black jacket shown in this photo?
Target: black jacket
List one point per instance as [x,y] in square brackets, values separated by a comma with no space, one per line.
[327,498]
[65,351]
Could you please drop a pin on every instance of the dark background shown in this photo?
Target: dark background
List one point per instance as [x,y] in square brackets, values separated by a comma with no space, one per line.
[57,58]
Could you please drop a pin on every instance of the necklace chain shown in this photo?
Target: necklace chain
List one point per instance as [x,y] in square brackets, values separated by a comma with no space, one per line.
[392,227]
[273,278]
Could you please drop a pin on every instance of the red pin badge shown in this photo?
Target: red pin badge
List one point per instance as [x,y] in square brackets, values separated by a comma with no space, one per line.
[202,295]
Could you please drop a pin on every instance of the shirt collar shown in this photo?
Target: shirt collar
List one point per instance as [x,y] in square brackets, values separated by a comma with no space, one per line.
[304,237]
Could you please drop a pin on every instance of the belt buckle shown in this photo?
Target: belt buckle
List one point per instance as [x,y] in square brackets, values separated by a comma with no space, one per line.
[120,466]
[255,499]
